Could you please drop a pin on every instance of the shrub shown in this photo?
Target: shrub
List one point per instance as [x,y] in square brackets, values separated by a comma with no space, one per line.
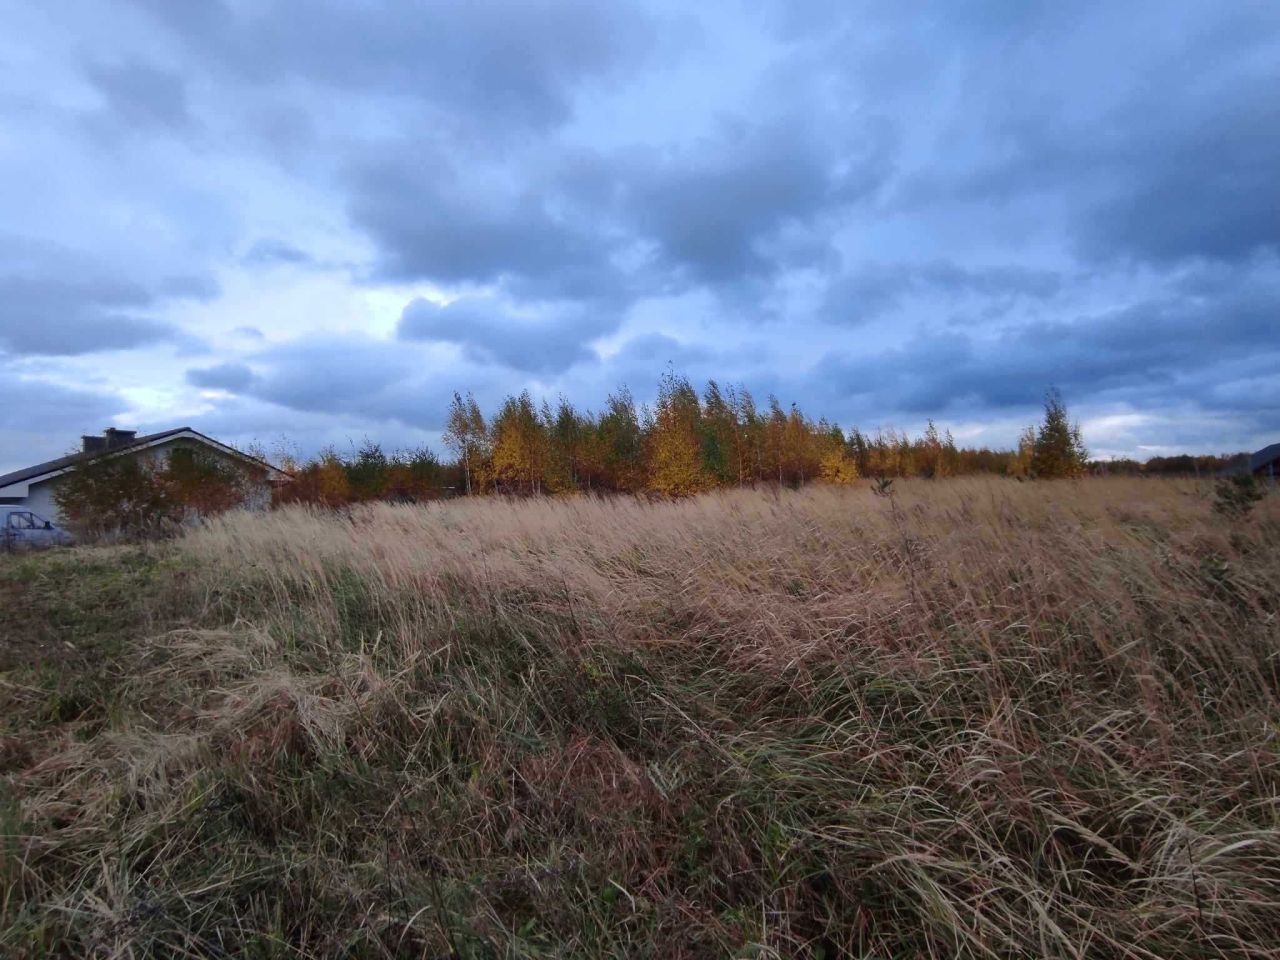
[138,496]
[1235,496]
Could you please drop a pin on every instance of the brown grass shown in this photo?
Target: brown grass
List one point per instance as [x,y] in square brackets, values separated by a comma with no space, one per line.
[980,718]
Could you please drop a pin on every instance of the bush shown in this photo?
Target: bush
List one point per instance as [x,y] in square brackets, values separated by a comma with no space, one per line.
[1235,496]
[141,496]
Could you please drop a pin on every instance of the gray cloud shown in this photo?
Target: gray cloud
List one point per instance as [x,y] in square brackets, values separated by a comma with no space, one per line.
[998,198]
[430,223]
[1156,149]
[271,252]
[30,404]
[612,225]
[40,420]
[64,316]
[509,62]
[232,377]
[1152,349]
[56,302]
[140,96]
[710,212]
[874,288]
[491,334]
[1204,188]
[350,376]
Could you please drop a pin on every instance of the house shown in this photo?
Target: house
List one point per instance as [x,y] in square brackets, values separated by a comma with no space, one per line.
[32,488]
[1264,463]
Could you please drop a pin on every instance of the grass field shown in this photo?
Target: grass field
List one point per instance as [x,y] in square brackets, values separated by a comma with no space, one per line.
[980,718]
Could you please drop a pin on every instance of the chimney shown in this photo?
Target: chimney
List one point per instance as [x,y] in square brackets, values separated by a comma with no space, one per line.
[113,438]
[92,444]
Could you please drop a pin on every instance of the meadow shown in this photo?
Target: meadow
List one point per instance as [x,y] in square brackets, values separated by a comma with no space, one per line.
[974,718]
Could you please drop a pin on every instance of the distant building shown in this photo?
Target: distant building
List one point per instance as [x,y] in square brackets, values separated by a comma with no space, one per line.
[32,488]
[1264,463]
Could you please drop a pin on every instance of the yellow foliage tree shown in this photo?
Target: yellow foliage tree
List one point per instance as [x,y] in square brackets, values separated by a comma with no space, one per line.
[519,446]
[675,454]
[835,465]
[331,479]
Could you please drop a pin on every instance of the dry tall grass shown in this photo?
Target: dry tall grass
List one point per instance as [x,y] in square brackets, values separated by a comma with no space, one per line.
[980,718]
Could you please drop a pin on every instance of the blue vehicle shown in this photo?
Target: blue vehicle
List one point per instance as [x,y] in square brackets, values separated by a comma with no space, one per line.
[21,529]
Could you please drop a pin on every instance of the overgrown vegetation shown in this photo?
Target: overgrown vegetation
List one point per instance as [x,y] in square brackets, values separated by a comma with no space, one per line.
[140,495]
[1235,496]
[977,718]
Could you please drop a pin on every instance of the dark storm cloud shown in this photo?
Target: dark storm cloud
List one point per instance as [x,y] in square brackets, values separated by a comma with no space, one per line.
[1141,351]
[713,214]
[431,223]
[875,288]
[1159,144]
[710,211]
[232,377]
[1159,180]
[490,334]
[54,302]
[1203,186]
[66,317]
[1000,196]
[509,62]
[138,96]
[377,379]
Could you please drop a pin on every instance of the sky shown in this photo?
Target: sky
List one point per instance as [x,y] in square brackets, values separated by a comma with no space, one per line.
[307,222]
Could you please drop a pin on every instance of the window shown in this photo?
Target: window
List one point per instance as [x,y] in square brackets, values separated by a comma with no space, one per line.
[22,521]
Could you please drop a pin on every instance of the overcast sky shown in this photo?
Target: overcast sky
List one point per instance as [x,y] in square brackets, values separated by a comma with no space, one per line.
[316,220]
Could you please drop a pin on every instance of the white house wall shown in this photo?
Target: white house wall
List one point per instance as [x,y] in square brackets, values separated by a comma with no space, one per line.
[40,500]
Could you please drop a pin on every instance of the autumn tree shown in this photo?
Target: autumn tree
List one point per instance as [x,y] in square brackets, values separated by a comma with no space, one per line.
[675,443]
[567,432]
[800,462]
[1059,449]
[620,442]
[333,485]
[519,454]
[834,463]
[932,456]
[749,442]
[1020,460]
[721,461]
[413,476]
[774,441]
[465,435]
[950,454]
[859,451]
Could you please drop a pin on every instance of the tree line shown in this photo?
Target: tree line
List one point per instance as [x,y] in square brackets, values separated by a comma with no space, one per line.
[682,444]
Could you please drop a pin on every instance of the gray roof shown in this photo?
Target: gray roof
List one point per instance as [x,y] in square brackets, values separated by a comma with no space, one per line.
[62,463]
[1264,456]
[1256,461]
